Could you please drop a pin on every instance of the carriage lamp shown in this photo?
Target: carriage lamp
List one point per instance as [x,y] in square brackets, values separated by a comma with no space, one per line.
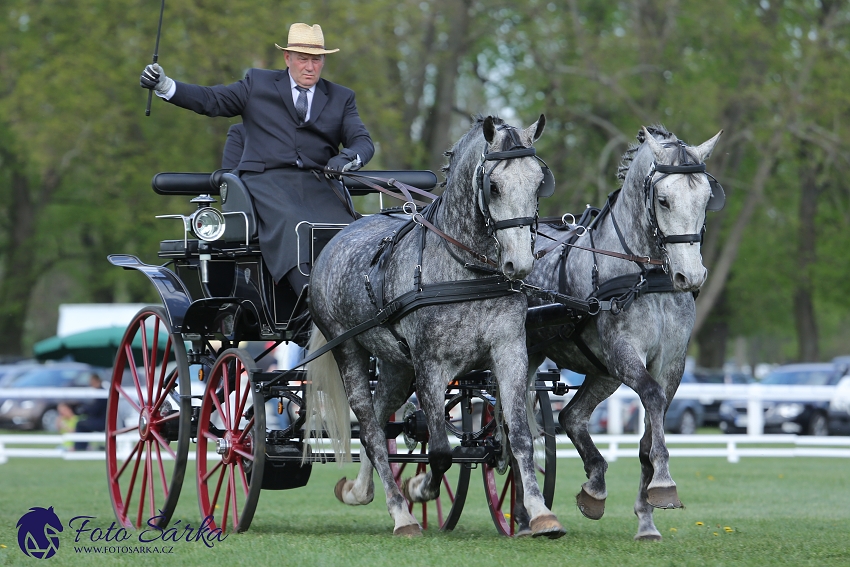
[208,224]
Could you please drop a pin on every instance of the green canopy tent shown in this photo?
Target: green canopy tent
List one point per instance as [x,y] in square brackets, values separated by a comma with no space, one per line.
[97,347]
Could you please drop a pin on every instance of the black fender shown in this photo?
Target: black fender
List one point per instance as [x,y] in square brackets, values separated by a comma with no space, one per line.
[175,297]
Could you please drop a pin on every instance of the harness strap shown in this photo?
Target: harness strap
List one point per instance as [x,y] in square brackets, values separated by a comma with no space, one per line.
[433,294]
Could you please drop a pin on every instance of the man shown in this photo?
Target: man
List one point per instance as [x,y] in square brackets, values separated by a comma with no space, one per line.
[294,124]
[94,412]
[231,155]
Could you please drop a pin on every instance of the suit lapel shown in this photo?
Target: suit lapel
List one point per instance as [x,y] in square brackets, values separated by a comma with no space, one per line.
[320,98]
[285,90]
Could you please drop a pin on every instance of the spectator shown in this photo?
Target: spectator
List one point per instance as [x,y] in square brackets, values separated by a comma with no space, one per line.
[94,412]
[66,422]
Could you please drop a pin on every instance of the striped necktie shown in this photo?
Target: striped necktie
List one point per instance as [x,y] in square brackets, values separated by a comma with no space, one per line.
[301,104]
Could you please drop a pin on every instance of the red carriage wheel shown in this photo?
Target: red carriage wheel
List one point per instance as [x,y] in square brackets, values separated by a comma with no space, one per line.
[148,421]
[445,510]
[231,451]
[499,481]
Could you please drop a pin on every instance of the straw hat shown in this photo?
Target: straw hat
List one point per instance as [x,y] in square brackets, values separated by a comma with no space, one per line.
[306,39]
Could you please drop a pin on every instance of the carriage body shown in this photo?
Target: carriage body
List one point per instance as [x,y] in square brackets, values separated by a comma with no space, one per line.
[216,295]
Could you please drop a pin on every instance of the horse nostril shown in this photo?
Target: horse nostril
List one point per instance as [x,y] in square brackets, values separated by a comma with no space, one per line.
[508,269]
[680,281]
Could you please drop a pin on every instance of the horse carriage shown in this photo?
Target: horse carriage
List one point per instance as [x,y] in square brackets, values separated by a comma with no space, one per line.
[217,296]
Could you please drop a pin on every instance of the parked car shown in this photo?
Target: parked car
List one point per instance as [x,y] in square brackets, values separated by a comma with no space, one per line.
[839,407]
[11,372]
[711,406]
[683,416]
[810,418]
[41,413]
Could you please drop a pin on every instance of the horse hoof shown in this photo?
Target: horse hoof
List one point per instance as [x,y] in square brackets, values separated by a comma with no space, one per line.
[338,489]
[590,507]
[410,530]
[524,532]
[663,497]
[547,526]
[648,537]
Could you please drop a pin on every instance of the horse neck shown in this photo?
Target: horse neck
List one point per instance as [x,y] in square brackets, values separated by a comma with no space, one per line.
[459,216]
[631,216]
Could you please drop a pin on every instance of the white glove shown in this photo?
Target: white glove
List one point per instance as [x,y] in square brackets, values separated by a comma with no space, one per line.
[153,77]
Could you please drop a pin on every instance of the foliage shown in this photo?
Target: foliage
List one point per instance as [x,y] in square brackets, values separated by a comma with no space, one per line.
[77,153]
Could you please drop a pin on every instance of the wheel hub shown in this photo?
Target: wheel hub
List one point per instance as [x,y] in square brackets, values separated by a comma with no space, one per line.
[145,424]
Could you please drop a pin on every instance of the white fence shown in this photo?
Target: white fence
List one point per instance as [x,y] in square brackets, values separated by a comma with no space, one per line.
[613,446]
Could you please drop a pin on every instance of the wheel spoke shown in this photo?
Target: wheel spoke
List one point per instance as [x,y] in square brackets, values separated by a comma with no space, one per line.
[133,477]
[226,502]
[151,495]
[244,453]
[142,487]
[245,432]
[163,393]
[240,408]
[211,472]
[129,399]
[218,407]
[154,352]
[164,443]
[243,477]
[120,471]
[225,378]
[218,488]
[231,487]
[162,469]
[118,432]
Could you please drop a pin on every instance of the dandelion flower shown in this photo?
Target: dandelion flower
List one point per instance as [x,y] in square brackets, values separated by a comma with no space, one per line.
[727,529]
[782,476]
[674,530]
[717,534]
[710,477]
[700,524]
[2,546]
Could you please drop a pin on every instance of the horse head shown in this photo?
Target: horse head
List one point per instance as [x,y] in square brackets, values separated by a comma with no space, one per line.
[676,193]
[508,180]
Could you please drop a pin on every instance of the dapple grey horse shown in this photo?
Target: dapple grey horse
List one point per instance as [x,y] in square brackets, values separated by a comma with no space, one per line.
[444,341]
[659,215]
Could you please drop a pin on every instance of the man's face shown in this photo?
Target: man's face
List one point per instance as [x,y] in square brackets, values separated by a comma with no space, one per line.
[304,68]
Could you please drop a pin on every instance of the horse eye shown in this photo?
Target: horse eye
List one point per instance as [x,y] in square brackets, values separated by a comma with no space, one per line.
[663,202]
[494,189]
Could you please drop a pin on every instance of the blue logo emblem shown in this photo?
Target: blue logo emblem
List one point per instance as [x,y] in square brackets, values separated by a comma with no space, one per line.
[38,533]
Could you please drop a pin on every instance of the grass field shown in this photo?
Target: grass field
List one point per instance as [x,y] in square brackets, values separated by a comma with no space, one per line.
[756,512]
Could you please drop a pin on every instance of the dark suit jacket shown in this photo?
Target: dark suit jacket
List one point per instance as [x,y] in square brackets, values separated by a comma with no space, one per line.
[274,137]
[275,145]
[233,147]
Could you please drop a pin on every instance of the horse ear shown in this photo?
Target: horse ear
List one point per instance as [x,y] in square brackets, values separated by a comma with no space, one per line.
[534,131]
[489,129]
[704,149]
[656,148]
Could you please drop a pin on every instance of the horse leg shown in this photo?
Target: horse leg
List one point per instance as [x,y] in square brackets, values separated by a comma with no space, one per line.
[574,419]
[390,392]
[661,490]
[356,379]
[511,378]
[643,504]
[432,397]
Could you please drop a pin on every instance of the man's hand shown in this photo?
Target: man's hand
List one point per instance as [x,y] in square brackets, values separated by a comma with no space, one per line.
[153,78]
[345,161]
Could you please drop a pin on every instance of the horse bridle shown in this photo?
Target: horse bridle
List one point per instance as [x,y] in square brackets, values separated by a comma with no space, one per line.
[483,190]
[715,201]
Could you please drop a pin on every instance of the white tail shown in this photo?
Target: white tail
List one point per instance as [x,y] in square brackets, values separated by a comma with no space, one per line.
[326,402]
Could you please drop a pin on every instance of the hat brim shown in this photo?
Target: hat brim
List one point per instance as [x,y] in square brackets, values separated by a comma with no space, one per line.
[308,50]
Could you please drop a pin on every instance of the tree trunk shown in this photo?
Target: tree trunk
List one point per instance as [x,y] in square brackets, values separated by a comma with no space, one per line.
[804,311]
[438,123]
[713,336]
[19,270]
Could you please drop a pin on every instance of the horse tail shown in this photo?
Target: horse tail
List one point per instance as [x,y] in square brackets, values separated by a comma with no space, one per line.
[326,403]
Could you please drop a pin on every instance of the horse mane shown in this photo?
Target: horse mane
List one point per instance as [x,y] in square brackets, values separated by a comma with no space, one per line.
[510,141]
[658,130]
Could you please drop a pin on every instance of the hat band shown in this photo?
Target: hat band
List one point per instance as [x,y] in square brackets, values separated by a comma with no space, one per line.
[312,45]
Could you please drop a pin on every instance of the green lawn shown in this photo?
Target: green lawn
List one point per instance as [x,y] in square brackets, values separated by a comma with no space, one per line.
[756,512]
